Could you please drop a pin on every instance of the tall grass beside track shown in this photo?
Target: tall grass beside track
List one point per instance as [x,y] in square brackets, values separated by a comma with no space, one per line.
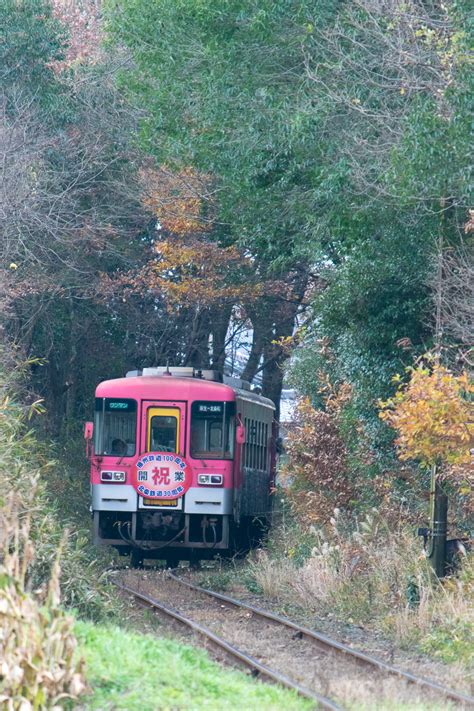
[46,489]
[366,574]
[38,665]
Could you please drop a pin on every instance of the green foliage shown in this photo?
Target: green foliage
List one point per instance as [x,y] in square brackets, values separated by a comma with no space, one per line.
[375,298]
[30,40]
[235,74]
[140,672]
[325,146]
[452,643]
[373,315]
[219,580]
[451,639]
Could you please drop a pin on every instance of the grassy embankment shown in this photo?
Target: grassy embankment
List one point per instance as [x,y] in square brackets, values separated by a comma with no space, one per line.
[140,672]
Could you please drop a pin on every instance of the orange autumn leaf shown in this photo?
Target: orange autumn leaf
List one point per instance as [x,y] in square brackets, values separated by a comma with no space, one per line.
[177,198]
[192,272]
[433,415]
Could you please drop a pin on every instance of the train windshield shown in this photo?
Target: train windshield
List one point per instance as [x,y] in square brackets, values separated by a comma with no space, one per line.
[212,430]
[115,427]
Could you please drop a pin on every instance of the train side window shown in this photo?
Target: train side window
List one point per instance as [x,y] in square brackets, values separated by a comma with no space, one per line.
[254,444]
[264,446]
[212,430]
[257,445]
[247,442]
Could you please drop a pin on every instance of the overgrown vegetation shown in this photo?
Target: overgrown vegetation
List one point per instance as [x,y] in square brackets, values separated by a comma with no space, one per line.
[37,485]
[39,667]
[293,174]
[360,571]
[343,557]
[363,571]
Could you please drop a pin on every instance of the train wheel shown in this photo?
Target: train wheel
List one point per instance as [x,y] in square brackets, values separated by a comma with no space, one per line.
[136,558]
[195,563]
[172,561]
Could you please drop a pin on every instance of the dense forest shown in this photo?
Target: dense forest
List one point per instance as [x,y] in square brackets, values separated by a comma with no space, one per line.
[290,180]
[182,180]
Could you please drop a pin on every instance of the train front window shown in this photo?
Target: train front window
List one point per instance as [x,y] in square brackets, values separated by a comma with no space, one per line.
[163,433]
[115,427]
[212,430]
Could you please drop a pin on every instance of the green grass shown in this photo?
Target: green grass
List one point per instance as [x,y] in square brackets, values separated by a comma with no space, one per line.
[141,672]
[452,643]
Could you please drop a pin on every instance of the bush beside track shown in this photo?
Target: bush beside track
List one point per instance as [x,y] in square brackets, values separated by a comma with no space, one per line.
[360,573]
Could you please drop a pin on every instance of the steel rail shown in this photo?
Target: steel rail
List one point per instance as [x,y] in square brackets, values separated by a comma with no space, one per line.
[255,666]
[333,645]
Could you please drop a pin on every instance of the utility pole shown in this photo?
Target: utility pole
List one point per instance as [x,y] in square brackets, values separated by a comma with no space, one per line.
[439,525]
[438,498]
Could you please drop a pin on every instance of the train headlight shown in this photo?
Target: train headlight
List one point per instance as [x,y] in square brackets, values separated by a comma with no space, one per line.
[210,479]
[114,477]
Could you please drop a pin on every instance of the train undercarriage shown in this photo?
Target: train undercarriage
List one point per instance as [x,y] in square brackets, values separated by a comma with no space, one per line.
[174,536]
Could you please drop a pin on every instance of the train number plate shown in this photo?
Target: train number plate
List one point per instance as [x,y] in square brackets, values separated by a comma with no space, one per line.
[161,502]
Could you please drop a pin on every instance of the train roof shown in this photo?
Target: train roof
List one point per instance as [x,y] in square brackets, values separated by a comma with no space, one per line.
[170,387]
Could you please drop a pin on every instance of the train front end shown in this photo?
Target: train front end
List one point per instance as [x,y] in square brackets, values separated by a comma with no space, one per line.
[164,464]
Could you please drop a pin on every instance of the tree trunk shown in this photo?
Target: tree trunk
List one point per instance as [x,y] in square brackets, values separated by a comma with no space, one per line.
[251,367]
[197,354]
[220,325]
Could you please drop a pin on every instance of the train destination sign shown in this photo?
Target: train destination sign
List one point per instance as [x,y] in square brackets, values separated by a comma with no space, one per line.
[162,475]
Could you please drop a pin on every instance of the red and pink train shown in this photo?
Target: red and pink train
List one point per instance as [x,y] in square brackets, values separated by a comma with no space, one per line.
[182,464]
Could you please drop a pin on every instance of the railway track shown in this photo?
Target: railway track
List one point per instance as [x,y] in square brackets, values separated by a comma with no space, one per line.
[325,653]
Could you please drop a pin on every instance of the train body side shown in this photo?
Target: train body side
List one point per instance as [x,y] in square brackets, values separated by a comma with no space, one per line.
[230,481]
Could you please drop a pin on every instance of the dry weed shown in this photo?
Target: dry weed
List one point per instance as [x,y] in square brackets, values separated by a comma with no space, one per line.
[38,669]
[370,575]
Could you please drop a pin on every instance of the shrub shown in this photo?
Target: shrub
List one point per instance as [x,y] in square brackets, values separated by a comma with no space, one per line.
[431,414]
[315,477]
[28,472]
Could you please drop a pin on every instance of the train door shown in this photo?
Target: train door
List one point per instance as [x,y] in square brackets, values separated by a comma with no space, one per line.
[163,427]
[163,430]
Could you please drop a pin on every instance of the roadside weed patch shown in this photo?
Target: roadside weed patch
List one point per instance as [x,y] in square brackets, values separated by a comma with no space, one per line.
[376,578]
[452,643]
